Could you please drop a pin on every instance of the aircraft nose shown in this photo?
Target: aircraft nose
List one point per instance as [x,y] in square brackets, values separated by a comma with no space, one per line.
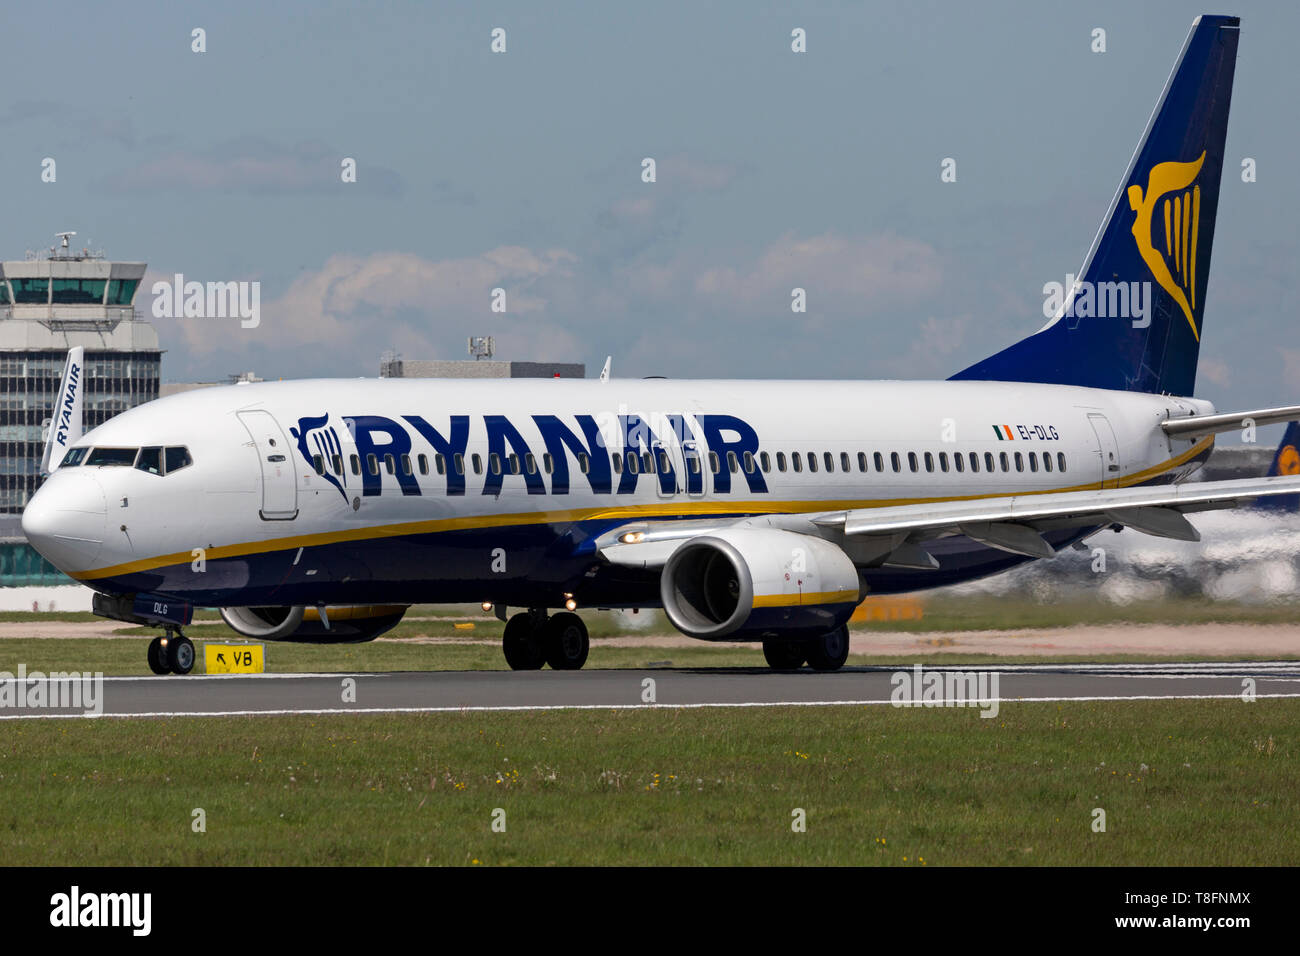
[65,520]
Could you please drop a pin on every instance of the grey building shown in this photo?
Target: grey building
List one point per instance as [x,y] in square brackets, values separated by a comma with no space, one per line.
[403,368]
[50,303]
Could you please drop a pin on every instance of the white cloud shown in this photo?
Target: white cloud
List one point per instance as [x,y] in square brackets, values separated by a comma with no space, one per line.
[863,274]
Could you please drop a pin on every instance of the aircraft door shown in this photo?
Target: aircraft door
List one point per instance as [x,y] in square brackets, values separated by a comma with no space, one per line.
[693,473]
[668,461]
[275,456]
[1108,449]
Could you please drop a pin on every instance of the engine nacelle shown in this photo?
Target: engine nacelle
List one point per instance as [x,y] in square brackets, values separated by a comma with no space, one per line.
[754,583]
[348,624]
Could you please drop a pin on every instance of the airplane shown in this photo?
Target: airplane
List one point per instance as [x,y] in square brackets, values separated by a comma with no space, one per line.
[319,510]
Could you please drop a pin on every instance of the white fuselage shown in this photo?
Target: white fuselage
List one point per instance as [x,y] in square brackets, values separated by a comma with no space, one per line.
[280,504]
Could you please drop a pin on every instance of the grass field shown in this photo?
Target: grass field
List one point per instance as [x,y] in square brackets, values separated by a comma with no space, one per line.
[1181,782]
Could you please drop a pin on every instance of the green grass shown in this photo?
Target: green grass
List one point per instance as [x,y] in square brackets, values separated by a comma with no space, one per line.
[880,786]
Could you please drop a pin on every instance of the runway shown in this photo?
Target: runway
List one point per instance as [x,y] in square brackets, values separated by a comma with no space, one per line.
[453,691]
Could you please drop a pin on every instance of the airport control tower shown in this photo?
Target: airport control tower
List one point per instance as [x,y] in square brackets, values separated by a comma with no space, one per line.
[50,302]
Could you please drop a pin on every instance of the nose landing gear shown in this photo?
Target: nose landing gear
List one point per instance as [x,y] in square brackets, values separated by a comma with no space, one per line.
[532,639]
[173,653]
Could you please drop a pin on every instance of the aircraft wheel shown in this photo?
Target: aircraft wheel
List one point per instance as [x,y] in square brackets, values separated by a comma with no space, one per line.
[521,643]
[157,658]
[180,655]
[785,655]
[566,642]
[830,651]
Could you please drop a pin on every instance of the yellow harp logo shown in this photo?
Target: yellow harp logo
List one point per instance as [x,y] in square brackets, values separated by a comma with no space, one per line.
[1181,212]
[1288,461]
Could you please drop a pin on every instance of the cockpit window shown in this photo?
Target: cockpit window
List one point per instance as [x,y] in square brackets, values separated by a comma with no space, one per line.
[176,458]
[73,458]
[150,460]
[112,456]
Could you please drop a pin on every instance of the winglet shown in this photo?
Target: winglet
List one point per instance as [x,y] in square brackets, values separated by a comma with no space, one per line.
[604,372]
[65,423]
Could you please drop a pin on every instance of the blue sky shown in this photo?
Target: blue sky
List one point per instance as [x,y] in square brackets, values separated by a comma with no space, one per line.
[522,170]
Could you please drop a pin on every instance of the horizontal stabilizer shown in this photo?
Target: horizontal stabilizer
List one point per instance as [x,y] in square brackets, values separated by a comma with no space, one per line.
[1199,426]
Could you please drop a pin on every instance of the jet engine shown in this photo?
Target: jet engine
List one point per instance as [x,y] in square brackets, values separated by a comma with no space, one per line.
[747,584]
[348,624]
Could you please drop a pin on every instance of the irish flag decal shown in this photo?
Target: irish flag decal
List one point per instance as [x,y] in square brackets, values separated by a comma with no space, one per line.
[1004,433]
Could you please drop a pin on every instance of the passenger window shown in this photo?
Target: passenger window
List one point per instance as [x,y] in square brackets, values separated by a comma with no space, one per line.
[765,460]
[477,461]
[797,461]
[1020,462]
[988,462]
[714,465]
[372,464]
[1047,461]
[812,461]
[388,464]
[1060,462]
[337,464]
[749,462]
[1033,461]
[440,464]
[530,463]
[780,461]
[911,460]
[113,456]
[880,461]
[929,462]
[894,460]
[548,463]
[862,461]
[318,463]
[663,462]
[633,463]
[830,461]
[693,462]
[647,463]
[733,465]
[406,464]
[1002,459]
[615,459]
[356,465]
[514,464]
[974,462]
[584,463]
[494,463]
[956,460]
[423,462]
[150,460]
[176,458]
[459,462]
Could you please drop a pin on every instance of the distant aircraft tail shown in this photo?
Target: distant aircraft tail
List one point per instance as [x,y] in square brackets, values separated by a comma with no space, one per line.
[1286,461]
[1132,321]
[65,423]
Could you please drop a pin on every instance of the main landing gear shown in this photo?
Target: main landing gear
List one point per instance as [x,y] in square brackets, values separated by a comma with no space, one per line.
[825,653]
[173,653]
[532,639]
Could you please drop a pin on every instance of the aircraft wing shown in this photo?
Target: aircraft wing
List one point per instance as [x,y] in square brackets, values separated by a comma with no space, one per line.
[1014,523]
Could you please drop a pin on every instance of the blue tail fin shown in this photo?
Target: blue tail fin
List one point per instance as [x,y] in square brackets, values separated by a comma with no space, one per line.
[1133,320]
[1286,461]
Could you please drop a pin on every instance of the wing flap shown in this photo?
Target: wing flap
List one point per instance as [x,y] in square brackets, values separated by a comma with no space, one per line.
[1154,509]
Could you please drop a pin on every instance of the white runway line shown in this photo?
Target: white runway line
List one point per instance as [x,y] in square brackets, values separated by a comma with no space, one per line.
[700,706]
